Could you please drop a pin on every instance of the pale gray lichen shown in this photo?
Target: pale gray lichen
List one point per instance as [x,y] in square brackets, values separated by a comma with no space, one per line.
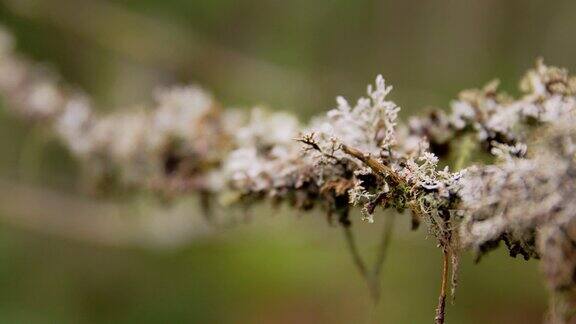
[354,156]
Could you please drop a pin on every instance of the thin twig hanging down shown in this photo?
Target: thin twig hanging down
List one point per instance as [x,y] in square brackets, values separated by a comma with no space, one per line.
[371,275]
[353,156]
[441,308]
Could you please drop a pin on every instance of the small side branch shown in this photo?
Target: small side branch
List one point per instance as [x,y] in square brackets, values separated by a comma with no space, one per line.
[381,254]
[371,276]
[384,244]
[356,257]
[377,166]
[441,308]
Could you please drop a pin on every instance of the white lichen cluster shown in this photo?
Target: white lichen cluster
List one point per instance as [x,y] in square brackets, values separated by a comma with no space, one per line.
[355,156]
[168,146]
[548,93]
[528,202]
[265,154]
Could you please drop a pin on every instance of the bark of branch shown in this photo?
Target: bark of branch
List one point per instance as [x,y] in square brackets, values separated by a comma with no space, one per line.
[441,308]
[378,167]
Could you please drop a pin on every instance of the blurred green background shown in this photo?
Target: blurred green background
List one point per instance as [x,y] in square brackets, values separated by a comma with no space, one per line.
[67,257]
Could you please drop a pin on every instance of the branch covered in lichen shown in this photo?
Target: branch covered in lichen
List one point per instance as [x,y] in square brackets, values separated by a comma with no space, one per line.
[356,156]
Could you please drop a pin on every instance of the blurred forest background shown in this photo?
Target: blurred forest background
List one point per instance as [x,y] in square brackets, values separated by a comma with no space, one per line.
[69,257]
